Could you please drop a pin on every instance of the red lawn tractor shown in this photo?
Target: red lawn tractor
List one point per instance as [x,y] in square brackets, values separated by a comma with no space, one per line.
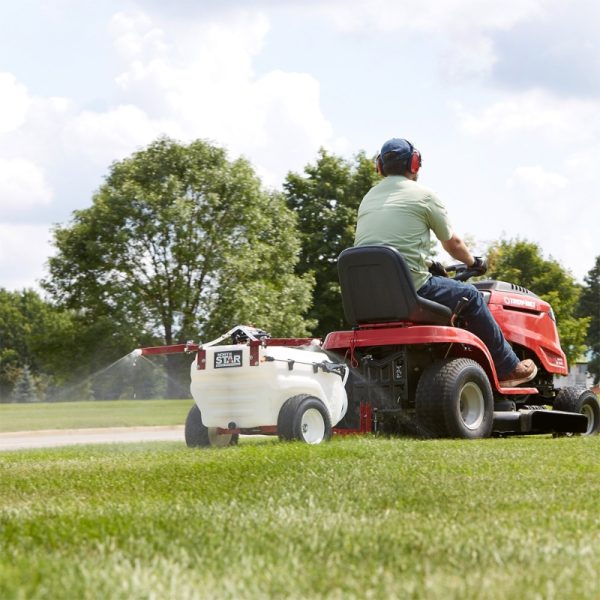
[415,370]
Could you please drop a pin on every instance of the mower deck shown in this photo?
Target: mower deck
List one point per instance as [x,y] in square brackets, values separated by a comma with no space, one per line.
[536,421]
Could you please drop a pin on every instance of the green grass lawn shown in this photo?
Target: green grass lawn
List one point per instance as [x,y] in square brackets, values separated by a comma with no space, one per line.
[105,413]
[357,518]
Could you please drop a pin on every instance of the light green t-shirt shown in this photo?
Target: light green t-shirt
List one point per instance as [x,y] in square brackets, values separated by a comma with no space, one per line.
[400,212]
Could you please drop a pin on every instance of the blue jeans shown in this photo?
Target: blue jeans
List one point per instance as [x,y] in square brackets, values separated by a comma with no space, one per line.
[476,317]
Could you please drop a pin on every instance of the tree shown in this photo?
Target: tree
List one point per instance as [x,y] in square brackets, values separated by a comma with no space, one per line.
[25,389]
[521,262]
[36,334]
[180,242]
[326,199]
[13,347]
[589,306]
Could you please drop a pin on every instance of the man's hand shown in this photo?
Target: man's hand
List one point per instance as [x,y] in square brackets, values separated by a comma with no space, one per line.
[479,265]
[437,268]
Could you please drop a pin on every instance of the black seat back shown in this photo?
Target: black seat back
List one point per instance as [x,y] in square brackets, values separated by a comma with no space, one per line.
[377,287]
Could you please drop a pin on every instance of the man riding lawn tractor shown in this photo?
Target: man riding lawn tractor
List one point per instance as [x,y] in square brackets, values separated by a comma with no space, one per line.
[401,213]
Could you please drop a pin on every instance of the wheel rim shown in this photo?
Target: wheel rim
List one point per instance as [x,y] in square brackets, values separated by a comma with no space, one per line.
[471,406]
[217,440]
[312,426]
[588,411]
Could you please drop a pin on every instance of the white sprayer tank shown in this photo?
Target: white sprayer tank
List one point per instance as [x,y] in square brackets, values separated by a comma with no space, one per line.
[231,393]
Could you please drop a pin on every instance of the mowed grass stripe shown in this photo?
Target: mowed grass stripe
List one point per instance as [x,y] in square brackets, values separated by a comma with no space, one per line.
[85,414]
[355,518]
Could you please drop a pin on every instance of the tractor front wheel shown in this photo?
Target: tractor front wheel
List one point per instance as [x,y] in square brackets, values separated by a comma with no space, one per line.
[454,399]
[580,400]
[197,435]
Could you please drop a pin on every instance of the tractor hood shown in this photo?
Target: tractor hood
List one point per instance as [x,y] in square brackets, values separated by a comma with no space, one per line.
[526,320]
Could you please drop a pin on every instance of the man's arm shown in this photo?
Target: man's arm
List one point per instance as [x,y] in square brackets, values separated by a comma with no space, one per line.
[457,249]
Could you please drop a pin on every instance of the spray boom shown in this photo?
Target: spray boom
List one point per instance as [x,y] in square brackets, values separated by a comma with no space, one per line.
[187,348]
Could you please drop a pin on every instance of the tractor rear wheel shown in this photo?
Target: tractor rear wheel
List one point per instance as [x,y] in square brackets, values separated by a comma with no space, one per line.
[580,400]
[305,418]
[454,399]
[197,435]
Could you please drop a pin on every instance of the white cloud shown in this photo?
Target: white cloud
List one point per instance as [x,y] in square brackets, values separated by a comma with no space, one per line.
[582,164]
[195,55]
[39,138]
[288,105]
[471,56]
[14,103]
[551,118]
[432,15]
[538,197]
[133,33]
[538,180]
[183,79]
[23,251]
[464,27]
[187,80]
[23,185]
[106,136]
[200,79]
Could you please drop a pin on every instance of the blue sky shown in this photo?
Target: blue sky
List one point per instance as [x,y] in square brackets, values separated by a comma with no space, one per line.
[501,97]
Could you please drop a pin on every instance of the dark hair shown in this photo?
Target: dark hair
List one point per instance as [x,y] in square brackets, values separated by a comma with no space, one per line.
[394,164]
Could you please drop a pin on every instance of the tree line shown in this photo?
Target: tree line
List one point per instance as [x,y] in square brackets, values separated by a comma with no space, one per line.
[181,243]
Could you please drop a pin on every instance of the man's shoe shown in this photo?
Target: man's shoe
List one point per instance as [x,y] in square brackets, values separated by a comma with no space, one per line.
[525,371]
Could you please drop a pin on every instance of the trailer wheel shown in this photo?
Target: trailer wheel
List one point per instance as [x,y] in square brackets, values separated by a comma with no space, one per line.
[454,399]
[304,418]
[197,435]
[580,400]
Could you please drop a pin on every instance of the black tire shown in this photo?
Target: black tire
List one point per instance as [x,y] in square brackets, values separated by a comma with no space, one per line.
[454,399]
[580,400]
[304,418]
[197,435]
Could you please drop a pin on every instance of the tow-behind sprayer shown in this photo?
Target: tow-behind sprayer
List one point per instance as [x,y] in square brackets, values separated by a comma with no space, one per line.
[260,385]
[406,366]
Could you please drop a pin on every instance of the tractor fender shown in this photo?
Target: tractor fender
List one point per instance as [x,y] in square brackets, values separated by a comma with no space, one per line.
[344,342]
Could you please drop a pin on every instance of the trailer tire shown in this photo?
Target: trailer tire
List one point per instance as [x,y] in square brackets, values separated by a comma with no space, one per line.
[197,435]
[454,399]
[580,400]
[305,418]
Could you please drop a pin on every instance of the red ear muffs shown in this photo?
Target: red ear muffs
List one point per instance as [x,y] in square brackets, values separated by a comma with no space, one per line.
[414,164]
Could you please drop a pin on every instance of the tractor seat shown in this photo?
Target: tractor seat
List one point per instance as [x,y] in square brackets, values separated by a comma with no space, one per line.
[377,287]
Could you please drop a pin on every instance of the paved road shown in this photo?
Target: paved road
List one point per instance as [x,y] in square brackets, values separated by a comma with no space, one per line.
[65,437]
